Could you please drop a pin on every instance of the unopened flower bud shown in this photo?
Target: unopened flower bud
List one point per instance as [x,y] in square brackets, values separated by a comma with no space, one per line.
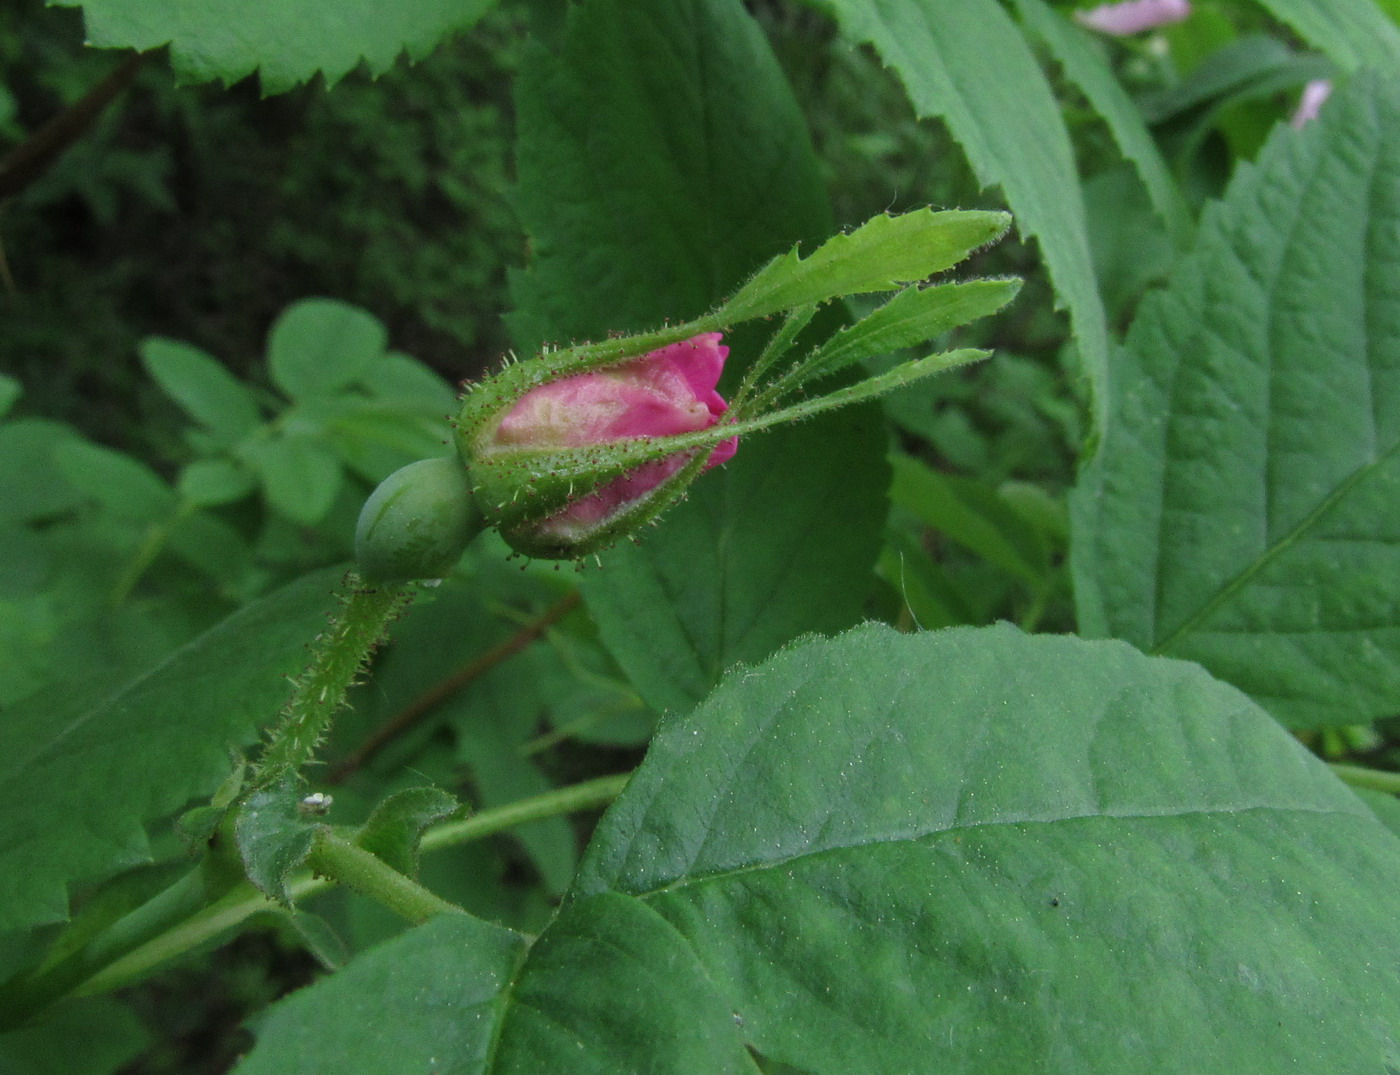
[563,465]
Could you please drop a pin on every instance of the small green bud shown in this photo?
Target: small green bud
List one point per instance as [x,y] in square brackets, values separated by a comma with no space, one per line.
[417,523]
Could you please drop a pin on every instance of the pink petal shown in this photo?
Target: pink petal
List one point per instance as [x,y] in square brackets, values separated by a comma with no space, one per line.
[1315,93]
[1133,16]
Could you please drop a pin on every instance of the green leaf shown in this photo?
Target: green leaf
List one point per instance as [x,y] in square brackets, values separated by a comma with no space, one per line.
[972,514]
[1354,33]
[966,62]
[1075,51]
[286,41]
[93,1036]
[662,159]
[1241,511]
[31,485]
[203,387]
[209,482]
[301,476]
[319,346]
[427,1000]
[967,851]
[118,482]
[79,777]
[882,254]
[1050,858]
[394,829]
[274,837]
[401,378]
[778,542]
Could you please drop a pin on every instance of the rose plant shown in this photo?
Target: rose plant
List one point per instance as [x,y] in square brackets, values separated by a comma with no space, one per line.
[1037,717]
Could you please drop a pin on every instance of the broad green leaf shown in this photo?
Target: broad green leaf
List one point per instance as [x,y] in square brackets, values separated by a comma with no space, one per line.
[967,851]
[1085,65]
[319,346]
[300,474]
[93,1036]
[1354,33]
[203,387]
[1063,852]
[117,481]
[80,777]
[286,41]
[400,377]
[31,486]
[778,542]
[427,1000]
[966,62]
[1241,512]
[882,254]
[662,160]
[10,391]
[209,482]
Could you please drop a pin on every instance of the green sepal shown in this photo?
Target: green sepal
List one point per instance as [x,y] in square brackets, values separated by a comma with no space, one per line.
[521,489]
[396,826]
[911,318]
[274,837]
[882,254]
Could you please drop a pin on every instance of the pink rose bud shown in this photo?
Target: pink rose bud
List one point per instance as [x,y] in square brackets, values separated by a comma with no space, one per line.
[1133,16]
[1315,93]
[523,454]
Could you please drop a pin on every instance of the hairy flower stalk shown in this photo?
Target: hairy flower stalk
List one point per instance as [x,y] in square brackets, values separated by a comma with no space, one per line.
[570,451]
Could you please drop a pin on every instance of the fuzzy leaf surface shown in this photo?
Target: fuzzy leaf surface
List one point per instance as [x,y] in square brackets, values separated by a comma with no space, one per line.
[966,851]
[662,159]
[1242,512]
[80,777]
[427,1000]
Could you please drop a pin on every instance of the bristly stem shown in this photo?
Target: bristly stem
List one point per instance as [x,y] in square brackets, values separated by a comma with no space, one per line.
[338,655]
